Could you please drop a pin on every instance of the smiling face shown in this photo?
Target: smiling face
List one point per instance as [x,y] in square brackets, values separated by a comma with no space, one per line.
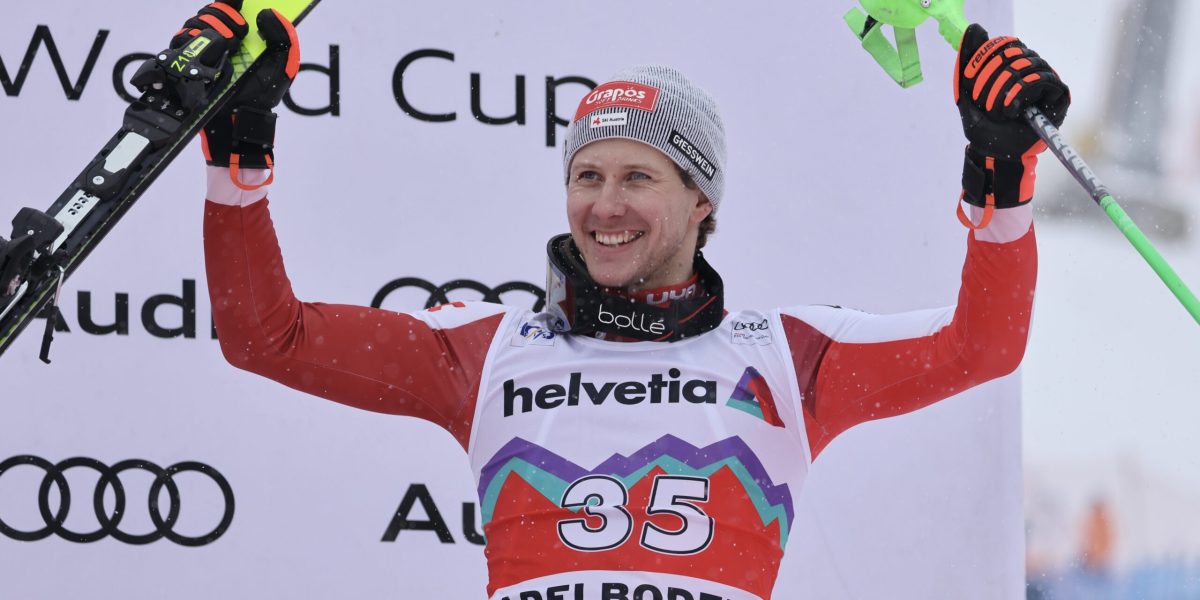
[631,215]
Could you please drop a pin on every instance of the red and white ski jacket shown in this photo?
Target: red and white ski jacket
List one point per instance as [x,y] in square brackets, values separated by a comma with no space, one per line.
[604,467]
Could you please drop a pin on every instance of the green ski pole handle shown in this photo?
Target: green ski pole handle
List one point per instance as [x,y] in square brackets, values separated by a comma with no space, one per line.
[902,61]
[1079,169]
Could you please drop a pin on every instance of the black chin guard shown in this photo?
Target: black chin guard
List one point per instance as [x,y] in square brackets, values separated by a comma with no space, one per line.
[582,307]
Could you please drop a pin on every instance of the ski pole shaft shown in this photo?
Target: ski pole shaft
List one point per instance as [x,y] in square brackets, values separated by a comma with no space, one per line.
[1079,169]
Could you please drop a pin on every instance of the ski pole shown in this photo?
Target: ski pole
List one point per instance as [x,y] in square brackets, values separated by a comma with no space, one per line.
[902,63]
[1079,169]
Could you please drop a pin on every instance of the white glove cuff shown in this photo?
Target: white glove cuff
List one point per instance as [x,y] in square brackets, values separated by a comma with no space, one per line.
[222,190]
[1008,224]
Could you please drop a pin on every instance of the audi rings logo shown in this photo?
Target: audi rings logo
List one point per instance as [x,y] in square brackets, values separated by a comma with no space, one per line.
[110,521]
[439,294]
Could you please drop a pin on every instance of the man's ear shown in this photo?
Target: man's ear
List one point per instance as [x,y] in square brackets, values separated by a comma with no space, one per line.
[702,209]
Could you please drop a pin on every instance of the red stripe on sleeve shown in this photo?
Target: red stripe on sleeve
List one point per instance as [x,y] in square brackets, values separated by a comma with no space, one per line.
[845,383]
[363,357]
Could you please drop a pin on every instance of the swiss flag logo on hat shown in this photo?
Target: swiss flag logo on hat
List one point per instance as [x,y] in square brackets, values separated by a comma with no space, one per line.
[625,94]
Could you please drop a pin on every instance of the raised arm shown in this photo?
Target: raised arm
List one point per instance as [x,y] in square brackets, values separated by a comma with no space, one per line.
[424,365]
[854,367]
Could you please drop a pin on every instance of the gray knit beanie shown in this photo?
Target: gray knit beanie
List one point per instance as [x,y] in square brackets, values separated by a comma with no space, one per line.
[657,105]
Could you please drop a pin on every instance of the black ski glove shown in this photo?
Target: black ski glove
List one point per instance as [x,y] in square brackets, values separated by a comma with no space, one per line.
[993,83]
[243,133]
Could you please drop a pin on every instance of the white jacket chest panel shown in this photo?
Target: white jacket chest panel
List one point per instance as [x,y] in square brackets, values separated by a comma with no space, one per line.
[552,409]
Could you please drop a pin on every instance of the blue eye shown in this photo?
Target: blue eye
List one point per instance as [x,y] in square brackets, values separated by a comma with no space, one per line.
[638,175]
[587,176]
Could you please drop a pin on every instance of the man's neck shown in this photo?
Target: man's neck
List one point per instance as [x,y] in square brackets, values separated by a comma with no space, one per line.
[661,296]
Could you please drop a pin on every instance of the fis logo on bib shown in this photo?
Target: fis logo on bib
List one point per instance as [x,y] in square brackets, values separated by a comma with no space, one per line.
[576,391]
[533,334]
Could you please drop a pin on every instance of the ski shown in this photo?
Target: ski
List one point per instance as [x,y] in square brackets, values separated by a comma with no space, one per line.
[47,247]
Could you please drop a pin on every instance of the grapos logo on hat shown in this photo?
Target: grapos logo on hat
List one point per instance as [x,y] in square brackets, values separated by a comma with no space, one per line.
[625,94]
[609,120]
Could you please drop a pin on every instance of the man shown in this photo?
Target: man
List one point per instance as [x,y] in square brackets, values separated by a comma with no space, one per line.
[635,440]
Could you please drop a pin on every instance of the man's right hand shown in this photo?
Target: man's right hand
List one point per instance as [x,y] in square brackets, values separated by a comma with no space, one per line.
[242,135]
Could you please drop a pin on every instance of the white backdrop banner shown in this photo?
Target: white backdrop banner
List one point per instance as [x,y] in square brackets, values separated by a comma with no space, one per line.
[423,142]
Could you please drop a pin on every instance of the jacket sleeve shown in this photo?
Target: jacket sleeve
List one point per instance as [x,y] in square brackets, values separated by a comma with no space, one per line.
[854,367]
[426,365]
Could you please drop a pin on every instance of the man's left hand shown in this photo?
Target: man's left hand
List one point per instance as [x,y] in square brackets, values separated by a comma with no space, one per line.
[994,80]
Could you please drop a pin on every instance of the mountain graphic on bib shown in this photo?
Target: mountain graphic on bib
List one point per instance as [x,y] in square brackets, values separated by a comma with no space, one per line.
[670,507]
[752,396]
